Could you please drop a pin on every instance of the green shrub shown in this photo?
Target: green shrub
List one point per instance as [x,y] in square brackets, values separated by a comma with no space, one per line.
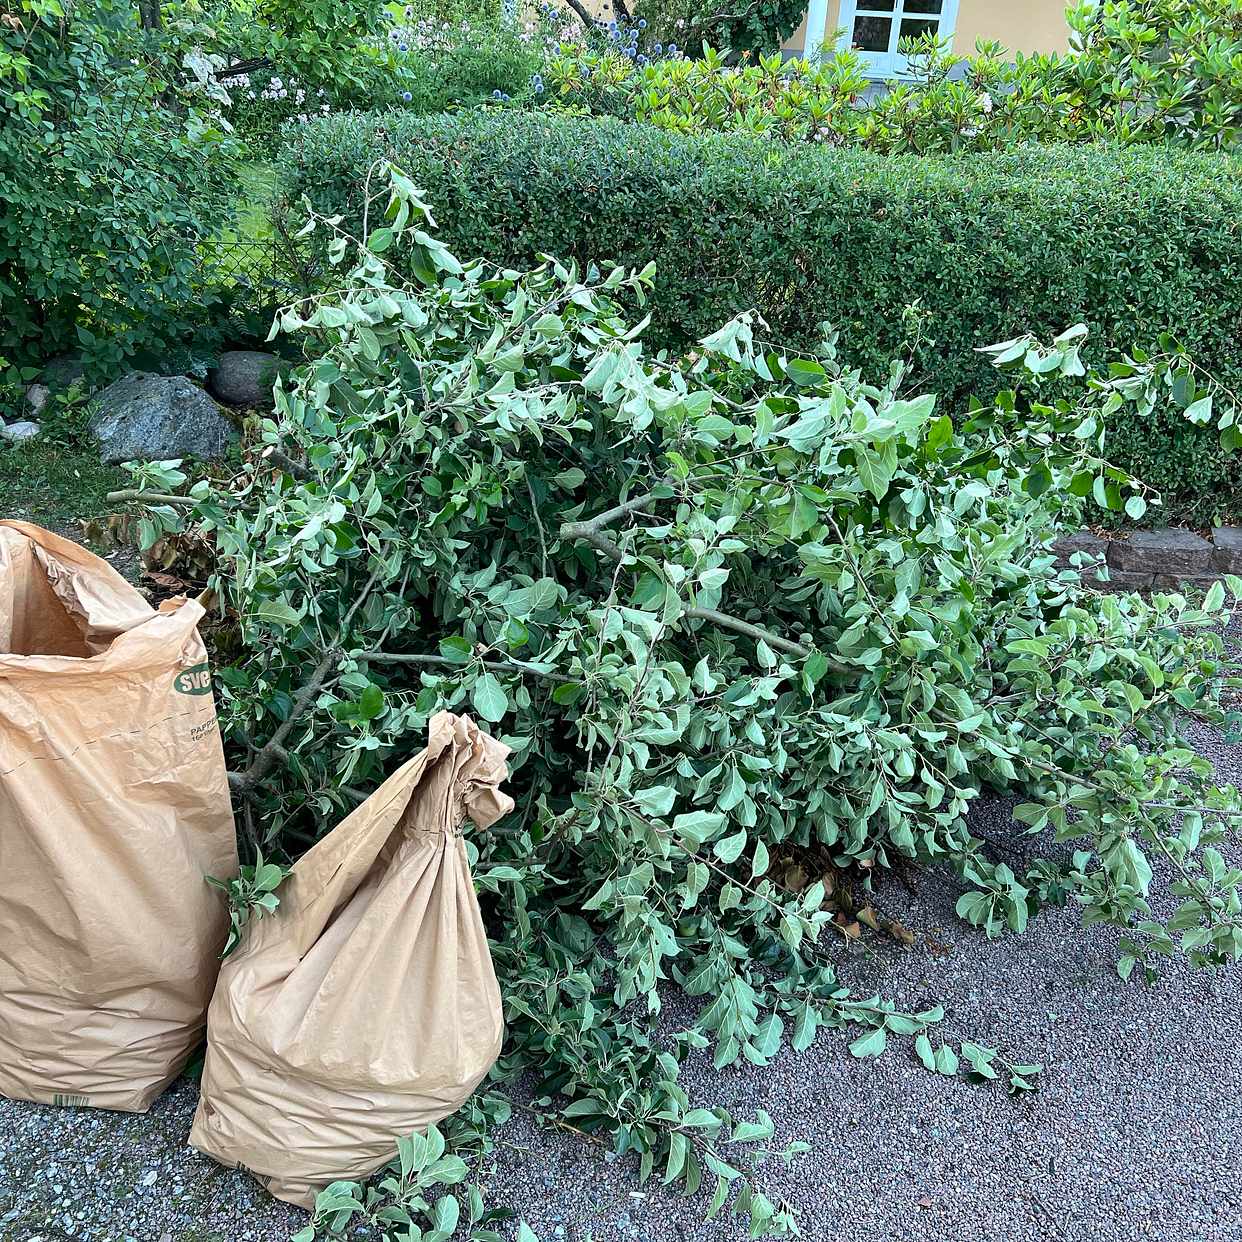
[1131,242]
[463,65]
[1137,71]
[112,173]
[1155,70]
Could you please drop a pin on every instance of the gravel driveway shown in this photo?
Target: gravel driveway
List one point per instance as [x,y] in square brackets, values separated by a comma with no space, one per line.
[1136,1133]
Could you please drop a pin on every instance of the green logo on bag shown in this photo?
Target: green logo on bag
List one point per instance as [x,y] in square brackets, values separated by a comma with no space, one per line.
[196,680]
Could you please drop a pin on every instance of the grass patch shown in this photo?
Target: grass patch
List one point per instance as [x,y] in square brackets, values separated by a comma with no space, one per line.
[55,485]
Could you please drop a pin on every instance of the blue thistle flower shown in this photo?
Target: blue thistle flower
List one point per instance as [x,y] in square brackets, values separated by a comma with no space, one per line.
[406,96]
[642,23]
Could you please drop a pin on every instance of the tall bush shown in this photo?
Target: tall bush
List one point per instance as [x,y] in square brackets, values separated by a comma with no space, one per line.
[903,255]
[113,171]
[1138,71]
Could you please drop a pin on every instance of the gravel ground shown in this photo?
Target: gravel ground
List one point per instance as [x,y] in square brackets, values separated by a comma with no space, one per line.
[1135,1134]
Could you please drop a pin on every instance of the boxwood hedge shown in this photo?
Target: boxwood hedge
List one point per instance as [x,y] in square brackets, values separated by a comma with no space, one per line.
[1133,242]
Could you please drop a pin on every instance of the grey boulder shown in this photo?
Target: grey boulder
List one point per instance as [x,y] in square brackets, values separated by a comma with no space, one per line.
[243,377]
[61,372]
[155,417]
[1227,549]
[23,430]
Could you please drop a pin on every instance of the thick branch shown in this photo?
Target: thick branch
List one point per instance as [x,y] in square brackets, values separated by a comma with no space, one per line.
[272,750]
[239,786]
[587,20]
[286,463]
[243,67]
[434,661]
[151,498]
[696,34]
[727,622]
[580,530]
[589,529]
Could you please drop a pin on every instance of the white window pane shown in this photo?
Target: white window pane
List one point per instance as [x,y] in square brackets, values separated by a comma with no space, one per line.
[913,28]
[872,34]
[923,6]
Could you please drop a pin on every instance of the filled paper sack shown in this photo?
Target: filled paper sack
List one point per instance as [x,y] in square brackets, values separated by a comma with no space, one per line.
[114,805]
[366,1007]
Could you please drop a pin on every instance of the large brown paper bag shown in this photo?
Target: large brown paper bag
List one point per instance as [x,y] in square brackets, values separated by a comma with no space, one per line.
[366,1006]
[114,805]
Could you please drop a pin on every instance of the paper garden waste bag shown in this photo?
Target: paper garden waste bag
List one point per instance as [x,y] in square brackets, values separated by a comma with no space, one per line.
[366,1007]
[114,805]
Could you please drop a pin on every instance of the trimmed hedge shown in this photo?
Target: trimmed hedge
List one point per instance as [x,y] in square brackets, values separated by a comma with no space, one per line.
[1131,241]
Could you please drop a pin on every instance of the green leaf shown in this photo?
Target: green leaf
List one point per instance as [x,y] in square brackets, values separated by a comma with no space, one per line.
[697,826]
[489,698]
[805,373]
[370,702]
[729,849]
[871,1044]
[873,470]
[1199,412]
[457,649]
[656,800]
[923,1050]
[759,861]
[269,877]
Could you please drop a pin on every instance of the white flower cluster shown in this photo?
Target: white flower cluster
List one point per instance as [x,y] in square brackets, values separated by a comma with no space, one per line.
[277,88]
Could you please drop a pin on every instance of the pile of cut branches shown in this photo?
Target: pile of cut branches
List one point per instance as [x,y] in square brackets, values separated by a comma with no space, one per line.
[732,611]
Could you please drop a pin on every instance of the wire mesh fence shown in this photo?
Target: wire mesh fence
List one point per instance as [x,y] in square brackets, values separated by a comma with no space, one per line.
[252,271]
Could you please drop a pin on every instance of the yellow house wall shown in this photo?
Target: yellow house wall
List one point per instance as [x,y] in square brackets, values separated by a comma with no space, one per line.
[1021,25]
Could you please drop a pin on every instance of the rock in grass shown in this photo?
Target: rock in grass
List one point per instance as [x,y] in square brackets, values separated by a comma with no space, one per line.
[243,377]
[36,398]
[155,417]
[61,372]
[23,430]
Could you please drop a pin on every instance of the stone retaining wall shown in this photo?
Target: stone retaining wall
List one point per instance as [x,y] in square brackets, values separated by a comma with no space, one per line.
[1160,558]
